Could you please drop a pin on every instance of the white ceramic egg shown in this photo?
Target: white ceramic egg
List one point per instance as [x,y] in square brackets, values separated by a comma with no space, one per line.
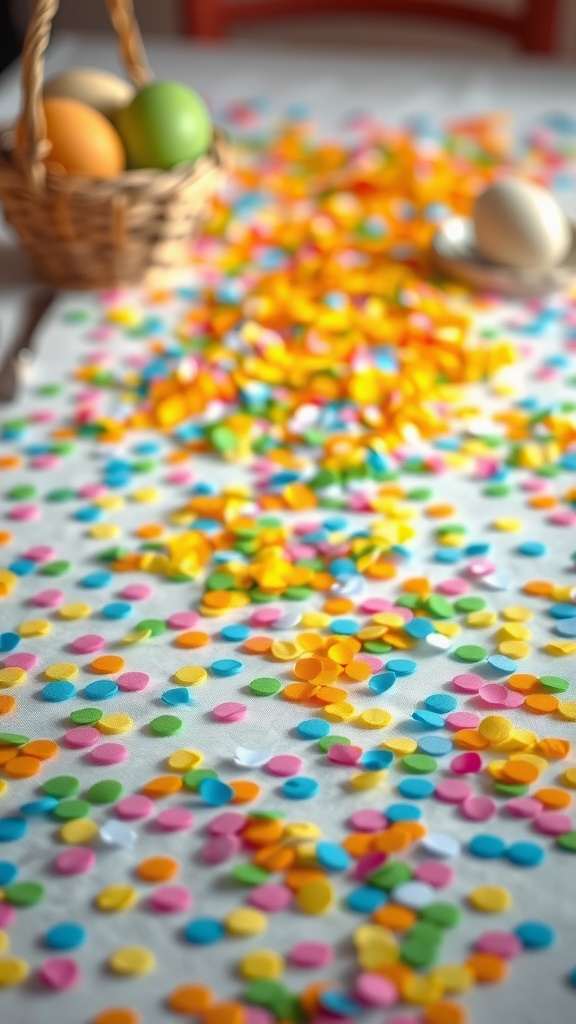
[101,90]
[519,224]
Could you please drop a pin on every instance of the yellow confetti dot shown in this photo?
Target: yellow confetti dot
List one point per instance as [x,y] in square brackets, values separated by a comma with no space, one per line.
[191,675]
[507,525]
[400,745]
[367,780]
[514,631]
[567,709]
[560,648]
[314,620]
[185,760]
[111,502]
[569,778]
[262,963]
[77,610]
[448,629]
[146,495]
[4,941]
[61,670]
[375,947]
[515,649]
[284,650]
[8,581]
[12,676]
[78,832]
[388,619]
[454,978]
[35,627]
[374,718]
[13,971]
[132,961]
[315,897]
[302,830]
[481,619]
[495,728]
[517,613]
[117,898]
[339,712]
[3,787]
[113,725]
[420,990]
[104,531]
[137,636]
[539,762]
[245,921]
[490,899]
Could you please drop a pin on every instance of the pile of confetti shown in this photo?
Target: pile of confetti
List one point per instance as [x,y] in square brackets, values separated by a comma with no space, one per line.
[342,487]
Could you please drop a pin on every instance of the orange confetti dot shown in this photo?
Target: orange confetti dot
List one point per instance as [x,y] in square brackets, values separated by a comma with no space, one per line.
[107,664]
[22,767]
[190,999]
[538,588]
[257,644]
[224,1013]
[445,1012]
[158,869]
[357,671]
[553,749]
[7,753]
[7,704]
[487,968]
[523,682]
[244,791]
[298,692]
[117,1015]
[541,703]
[553,798]
[469,739]
[262,831]
[149,531]
[42,749]
[163,785]
[192,638]
[520,772]
[297,878]
[274,858]
[5,537]
[357,844]
[440,511]
[395,917]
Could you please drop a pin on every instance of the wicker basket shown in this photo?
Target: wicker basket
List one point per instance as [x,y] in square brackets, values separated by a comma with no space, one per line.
[83,233]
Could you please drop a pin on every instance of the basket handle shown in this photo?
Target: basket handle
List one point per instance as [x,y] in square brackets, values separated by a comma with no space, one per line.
[133,56]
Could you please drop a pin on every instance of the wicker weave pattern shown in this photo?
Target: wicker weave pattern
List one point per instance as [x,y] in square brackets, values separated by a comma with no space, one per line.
[82,233]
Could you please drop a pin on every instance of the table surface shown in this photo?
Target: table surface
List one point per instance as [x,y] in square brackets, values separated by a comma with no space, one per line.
[331,85]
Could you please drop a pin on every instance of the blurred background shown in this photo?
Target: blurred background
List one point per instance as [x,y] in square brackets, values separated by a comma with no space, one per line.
[493,28]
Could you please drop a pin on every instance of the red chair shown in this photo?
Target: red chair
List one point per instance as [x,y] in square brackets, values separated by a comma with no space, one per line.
[533,27]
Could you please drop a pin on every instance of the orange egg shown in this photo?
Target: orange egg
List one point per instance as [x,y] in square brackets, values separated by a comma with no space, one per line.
[83,141]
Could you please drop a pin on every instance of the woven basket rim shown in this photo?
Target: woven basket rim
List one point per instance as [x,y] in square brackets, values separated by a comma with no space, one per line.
[217,158]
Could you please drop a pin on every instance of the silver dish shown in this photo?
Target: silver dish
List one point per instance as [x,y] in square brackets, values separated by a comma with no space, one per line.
[454,253]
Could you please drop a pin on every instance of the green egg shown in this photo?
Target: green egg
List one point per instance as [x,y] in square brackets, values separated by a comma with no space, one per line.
[165,124]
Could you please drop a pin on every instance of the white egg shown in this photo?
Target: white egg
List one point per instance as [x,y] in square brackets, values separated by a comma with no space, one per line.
[101,90]
[519,224]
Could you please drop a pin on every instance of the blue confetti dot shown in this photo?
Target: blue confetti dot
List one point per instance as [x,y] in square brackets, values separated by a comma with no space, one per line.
[562,610]
[101,689]
[300,787]
[382,681]
[403,812]
[117,610]
[566,628]
[67,935]
[8,872]
[313,728]
[96,579]
[8,641]
[500,663]
[525,855]
[332,856]
[416,789]
[12,829]
[226,667]
[177,696]
[436,746]
[22,566]
[204,931]
[59,690]
[376,760]
[486,846]
[442,703]
[236,632]
[36,808]
[428,718]
[535,935]
[89,514]
[366,899]
[419,628]
[401,666]
[215,792]
[340,1004]
[572,977]
[532,548]
[344,627]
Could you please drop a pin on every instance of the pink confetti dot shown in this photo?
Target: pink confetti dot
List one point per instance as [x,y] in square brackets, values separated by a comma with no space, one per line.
[368,863]
[562,517]
[227,823]
[171,899]
[266,616]
[88,643]
[258,1015]
[552,823]
[75,861]
[284,765]
[524,807]
[46,461]
[132,682]
[7,915]
[25,513]
[175,819]
[59,973]
[49,598]
[478,808]
[467,763]
[219,849]
[453,587]
[462,720]
[180,476]
[230,711]
[372,605]
[311,954]
[341,753]
[452,791]
[494,694]
[82,736]
[40,553]
[134,808]
[434,873]
[22,660]
[513,699]
[468,682]
[270,897]
[372,661]
[109,753]
[374,990]
[504,944]
[92,491]
[136,592]
[368,820]
[183,620]
[481,567]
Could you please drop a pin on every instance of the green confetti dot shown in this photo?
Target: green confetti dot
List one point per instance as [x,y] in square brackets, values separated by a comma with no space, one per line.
[223,439]
[193,778]
[470,653]
[249,874]
[418,954]
[497,490]
[507,789]
[265,686]
[297,593]
[77,316]
[56,568]
[22,492]
[24,894]
[411,601]
[419,764]
[49,390]
[470,604]
[275,997]
[326,742]
[443,915]
[555,684]
[70,810]
[377,646]
[86,716]
[61,786]
[107,791]
[13,739]
[396,872]
[567,842]
[420,494]
[156,627]
[439,607]
[166,725]
[221,581]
